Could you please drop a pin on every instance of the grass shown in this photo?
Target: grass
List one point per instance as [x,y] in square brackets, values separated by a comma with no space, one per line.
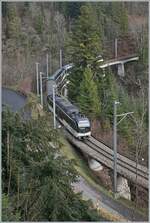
[14,87]
[131,204]
[111,217]
[33,105]
[82,167]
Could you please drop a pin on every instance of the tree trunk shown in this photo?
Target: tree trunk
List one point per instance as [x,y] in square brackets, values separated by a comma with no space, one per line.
[8,149]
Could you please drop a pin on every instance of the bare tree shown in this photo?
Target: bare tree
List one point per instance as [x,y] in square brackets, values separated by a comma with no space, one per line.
[140,136]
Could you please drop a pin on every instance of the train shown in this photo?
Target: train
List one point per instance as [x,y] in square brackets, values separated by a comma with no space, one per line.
[68,114]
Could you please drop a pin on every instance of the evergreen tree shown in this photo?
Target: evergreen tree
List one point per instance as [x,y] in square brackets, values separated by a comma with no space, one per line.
[116,20]
[107,91]
[8,210]
[13,23]
[119,16]
[85,42]
[88,98]
[69,9]
[39,23]
[84,47]
[36,177]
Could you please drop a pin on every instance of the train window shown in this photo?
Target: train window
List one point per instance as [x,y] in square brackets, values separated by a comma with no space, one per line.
[83,124]
[84,129]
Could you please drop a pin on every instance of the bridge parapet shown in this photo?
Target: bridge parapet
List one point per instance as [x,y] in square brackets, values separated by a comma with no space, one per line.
[119,61]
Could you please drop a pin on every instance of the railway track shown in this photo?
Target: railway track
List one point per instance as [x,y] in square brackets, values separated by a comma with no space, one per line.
[121,157]
[143,165]
[123,163]
[103,153]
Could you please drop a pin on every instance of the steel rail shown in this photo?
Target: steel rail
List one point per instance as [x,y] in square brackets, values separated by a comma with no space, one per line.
[107,161]
[124,156]
[119,161]
[121,157]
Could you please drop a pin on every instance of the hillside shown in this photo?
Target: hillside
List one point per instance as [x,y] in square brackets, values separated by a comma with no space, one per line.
[30,30]
[84,31]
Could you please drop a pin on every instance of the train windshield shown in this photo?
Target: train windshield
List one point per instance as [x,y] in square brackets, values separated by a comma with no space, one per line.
[84,124]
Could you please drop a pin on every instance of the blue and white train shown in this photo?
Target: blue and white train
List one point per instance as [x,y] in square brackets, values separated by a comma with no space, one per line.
[75,122]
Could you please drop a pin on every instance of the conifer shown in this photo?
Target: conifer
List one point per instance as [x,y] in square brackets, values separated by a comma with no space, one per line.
[88,99]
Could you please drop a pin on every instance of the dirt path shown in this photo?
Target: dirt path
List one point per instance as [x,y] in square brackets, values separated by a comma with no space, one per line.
[113,207]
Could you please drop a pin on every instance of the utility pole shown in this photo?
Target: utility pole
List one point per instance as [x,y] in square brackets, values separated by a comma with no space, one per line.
[50,62]
[47,63]
[60,58]
[116,47]
[37,78]
[115,146]
[54,106]
[41,88]
[115,123]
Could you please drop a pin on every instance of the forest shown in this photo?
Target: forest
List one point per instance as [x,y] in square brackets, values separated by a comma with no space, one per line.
[31,30]
[83,31]
[36,178]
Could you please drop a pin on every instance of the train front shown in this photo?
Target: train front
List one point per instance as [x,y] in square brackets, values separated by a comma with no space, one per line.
[84,127]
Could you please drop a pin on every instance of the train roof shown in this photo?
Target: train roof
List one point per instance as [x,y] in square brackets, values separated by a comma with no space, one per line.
[57,73]
[49,85]
[62,101]
[61,70]
[72,110]
[68,66]
[66,105]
